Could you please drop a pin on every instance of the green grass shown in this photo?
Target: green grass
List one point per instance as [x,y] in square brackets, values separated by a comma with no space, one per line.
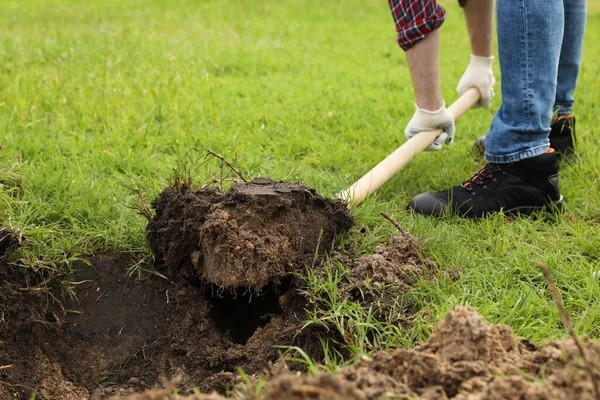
[100,96]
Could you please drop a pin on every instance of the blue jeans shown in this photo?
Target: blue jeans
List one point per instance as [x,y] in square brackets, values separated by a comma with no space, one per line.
[539,46]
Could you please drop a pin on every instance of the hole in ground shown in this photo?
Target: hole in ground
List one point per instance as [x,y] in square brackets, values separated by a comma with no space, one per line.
[239,313]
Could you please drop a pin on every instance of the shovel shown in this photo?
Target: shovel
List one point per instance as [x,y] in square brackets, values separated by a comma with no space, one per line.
[393,163]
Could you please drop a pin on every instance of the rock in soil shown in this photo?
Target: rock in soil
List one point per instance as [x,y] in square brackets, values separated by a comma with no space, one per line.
[252,236]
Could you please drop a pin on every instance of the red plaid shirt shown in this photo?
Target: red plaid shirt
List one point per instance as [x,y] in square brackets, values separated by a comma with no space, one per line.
[415,19]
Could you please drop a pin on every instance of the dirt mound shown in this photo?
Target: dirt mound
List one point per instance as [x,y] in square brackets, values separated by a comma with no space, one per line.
[379,281]
[463,346]
[469,359]
[252,236]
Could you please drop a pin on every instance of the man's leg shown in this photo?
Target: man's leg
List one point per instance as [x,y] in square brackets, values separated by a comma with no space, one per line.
[521,176]
[529,40]
[562,135]
[570,55]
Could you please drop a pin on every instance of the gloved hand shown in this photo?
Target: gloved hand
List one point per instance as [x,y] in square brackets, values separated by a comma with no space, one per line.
[424,120]
[479,74]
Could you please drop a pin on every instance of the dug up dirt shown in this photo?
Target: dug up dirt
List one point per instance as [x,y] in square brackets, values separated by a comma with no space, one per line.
[219,296]
[223,295]
[466,358]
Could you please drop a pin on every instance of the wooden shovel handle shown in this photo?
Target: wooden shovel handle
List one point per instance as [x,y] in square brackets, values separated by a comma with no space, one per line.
[393,163]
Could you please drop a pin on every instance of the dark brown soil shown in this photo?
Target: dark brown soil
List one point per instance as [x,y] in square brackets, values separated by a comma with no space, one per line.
[186,325]
[22,318]
[465,359]
[250,237]
[126,335]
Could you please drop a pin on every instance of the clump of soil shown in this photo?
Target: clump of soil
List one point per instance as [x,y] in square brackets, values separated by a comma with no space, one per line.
[465,359]
[380,281]
[173,233]
[401,262]
[463,346]
[167,394]
[252,236]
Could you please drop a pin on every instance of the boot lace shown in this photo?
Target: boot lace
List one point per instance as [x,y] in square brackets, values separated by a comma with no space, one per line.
[481,178]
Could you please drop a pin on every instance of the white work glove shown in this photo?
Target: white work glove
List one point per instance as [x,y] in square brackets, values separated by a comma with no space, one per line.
[479,74]
[424,120]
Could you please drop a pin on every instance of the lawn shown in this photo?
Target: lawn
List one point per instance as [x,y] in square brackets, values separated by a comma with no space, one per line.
[101,100]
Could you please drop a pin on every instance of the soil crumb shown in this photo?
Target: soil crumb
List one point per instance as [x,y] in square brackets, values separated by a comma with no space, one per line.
[307,387]
[252,236]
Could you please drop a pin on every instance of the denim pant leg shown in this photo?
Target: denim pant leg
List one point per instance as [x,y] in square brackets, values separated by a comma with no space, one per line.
[570,55]
[530,34]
